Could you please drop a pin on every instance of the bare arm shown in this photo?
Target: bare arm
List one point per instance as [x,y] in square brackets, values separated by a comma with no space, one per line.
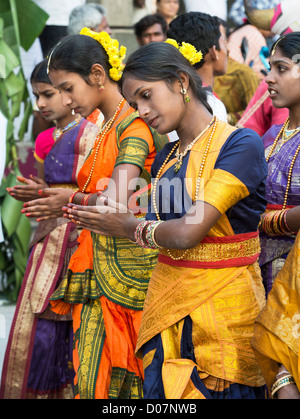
[53,200]
[115,219]
[293,218]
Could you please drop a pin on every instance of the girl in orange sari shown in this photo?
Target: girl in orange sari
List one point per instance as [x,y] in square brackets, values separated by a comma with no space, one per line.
[107,278]
[38,358]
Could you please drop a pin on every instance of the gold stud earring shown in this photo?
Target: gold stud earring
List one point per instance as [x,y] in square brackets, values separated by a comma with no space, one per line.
[100,86]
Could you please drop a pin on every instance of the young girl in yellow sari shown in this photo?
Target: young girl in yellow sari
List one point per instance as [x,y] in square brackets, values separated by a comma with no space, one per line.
[208,193]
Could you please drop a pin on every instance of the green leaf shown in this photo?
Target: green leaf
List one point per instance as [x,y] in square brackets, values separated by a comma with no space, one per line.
[31,19]
[14,15]
[23,233]
[14,85]
[4,105]
[11,60]
[11,213]
[25,120]
[20,261]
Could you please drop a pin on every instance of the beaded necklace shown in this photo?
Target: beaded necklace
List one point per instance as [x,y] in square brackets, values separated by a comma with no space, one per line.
[104,130]
[283,129]
[214,127]
[60,131]
[180,156]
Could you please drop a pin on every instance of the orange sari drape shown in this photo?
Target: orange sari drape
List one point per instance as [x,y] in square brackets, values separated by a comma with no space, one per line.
[119,373]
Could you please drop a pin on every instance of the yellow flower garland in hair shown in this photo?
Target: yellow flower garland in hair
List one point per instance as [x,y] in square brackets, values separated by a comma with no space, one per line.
[116,54]
[187,50]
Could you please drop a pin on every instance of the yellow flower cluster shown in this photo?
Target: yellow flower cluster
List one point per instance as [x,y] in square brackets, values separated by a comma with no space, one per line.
[187,50]
[116,54]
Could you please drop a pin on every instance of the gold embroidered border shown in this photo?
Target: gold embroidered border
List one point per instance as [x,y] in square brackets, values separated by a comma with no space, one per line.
[90,344]
[213,252]
[65,186]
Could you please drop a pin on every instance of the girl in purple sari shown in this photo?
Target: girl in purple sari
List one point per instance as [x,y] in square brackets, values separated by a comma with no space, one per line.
[38,359]
[281,221]
[276,331]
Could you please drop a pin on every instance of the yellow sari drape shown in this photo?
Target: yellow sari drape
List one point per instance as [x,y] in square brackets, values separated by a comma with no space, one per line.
[222,302]
[277,328]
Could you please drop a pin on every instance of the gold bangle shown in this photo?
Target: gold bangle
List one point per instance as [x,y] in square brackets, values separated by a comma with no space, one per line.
[282,382]
[152,234]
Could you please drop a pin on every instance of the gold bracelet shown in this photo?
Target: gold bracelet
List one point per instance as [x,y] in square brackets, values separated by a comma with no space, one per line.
[282,382]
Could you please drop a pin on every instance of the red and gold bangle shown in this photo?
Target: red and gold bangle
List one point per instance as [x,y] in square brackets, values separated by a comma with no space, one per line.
[85,200]
[275,223]
[72,196]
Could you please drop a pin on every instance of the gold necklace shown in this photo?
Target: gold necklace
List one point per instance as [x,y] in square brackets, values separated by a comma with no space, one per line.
[214,127]
[180,156]
[104,130]
[292,162]
[283,128]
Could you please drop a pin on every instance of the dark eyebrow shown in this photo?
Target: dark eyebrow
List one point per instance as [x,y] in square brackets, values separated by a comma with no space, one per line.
[61,85]
[280,60]
[137,90]
[42,92]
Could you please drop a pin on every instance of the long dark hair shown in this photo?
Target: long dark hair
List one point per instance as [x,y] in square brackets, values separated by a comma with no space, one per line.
[39,73]
[77,54]
[289,44]
[161,61]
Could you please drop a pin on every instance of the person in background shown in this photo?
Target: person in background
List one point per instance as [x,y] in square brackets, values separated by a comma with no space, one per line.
[151,28]
[238,17]
[57,24]
[89,15]
[168,9]
[281,19]
[207,34]
[142,8]
[55,29]
[92,16]
[38,359]
[237,87]
[246,45]
[237,13]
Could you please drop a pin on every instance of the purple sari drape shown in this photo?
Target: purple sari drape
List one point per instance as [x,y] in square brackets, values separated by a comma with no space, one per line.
[274,250]
[38,359]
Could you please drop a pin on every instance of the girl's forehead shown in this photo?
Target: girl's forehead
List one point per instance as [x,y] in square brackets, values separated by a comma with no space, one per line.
[41,86]
[277,55]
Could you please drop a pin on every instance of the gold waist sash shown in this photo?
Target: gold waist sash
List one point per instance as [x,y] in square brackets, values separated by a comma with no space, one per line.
[216,252]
